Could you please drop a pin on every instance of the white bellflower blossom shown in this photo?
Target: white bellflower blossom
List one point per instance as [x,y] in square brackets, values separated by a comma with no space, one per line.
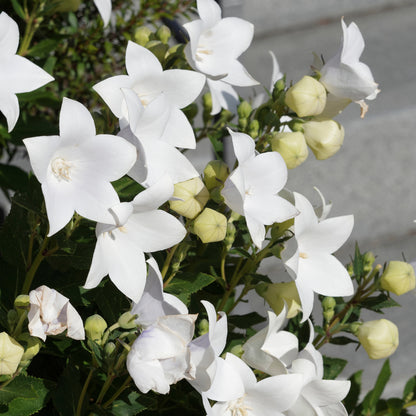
[17,74]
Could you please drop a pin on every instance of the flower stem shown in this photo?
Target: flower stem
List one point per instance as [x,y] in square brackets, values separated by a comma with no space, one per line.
[84,391]
[118,392]
[387,411]
[169,258]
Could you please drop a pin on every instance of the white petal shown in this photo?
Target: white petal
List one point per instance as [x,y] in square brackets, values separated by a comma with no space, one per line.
[256,230]
[9,35]
[243,145]
[238,75]
[223,96]
[9,106]
[75,325]
[98,269]
[178,131]
[209,11]
[306,297]
[282,345]
[104,8]
[353,43]
[141,63]
[194,29]
[234,191]
[334,410]
[153,197]
[217,329]
[326,392]
[276,73]
[307,217]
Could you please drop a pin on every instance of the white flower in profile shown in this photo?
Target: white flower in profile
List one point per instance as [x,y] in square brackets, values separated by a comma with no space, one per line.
[17,74]
[140,228]
[77,167]
[160,357]
[104,8]
[214,48]
[344,75]
[149,81]
[251,189]
[51,313]
[313,266]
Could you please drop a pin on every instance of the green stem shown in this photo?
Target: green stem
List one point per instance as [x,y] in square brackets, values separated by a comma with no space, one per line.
[32,24]
[18,328]
[84,391]
[117,393]
[106,386]
[387,411]
[169,258]
[34,266]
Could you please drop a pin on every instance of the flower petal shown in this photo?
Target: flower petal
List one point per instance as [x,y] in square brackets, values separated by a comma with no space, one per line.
[209,11]
[326,392]
[243,145]
[153,197]
[9,106]
[178,131]
[238,75]
[141,63]
[9,35]
[223,96]
[104,8]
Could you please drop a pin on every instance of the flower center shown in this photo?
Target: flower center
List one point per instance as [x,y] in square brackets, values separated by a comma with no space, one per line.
[201,52]
[61,169]
[238,407]
[303,255]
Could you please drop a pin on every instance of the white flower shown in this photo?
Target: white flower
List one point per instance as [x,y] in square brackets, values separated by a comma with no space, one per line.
[214,48]
[17,74]
[76,168]
[104,8]
[148,80]
[140,227]
[51,313]
[344,75]
[160,357]
[312,265]
[251,189]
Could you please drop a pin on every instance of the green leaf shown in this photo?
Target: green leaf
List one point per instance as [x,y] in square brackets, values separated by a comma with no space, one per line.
[18,9]
[43,48]
[342,341]
[245,321]
[333,367]
[409,389]
[358,263]
[187,284]
[25,395]
[353,395]
[377,303]
[130,407]
[127,188]
[395,406]
[14,178]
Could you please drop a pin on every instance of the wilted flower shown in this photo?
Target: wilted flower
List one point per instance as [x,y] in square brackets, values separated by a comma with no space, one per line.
[11,353]
[51,314]
[399,277]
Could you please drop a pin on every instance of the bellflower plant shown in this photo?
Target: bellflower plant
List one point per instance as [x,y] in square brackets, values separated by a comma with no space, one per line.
[138,278]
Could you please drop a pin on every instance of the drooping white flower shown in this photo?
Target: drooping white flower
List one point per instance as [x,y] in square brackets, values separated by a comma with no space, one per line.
[51,313]
[268,397]
[104,8]
[344,75]
[160,357]
[251,189]
[76,168]
[140,228]
[17,74]
[313,266]
[214,48]
[148,80]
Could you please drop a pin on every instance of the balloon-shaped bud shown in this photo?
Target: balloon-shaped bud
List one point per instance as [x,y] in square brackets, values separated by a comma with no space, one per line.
[142,35]
[95,325]
[11,353]
[292,147]
[324,137]
[307,97]
[163,34]
[399,277]
[215,174]
[127,321]
[244,109]
[33,345]
[210,226]
[22,302]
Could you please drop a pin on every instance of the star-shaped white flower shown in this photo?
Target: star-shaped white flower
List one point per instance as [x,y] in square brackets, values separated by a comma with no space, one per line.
[148,80]
[344,75]
[17,74]
[77,167]
[251,189]
[140,228]
[313,266]
[214,48]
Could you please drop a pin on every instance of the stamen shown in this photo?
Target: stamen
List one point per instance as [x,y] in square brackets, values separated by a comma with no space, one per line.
[61,169]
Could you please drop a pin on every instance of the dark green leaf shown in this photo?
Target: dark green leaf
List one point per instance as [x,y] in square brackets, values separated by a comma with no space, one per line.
[14,178]
[127,188]
[111,302]
[333,367]
[395,406]
[245,321]
[342,341]
[129,407]
[358,263]
[373,396]
[377,303]
[18,9]
[409,389]
[43,48]
[353,395]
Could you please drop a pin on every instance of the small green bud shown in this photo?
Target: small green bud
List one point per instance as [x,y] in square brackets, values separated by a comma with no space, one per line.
[163,34]
[22,302]
[237,350]
[369,260]
[215,174]
[158,49]
[142,35]
[328,315]
[203,327]
[296,125]
[354,327]
[278,88]
[109,348]
[127,321]
[291,146]
[253,128]
[242,123]
[350,269]
[95,325]
[229,236]
[244,110]
[328,303]
[207,102]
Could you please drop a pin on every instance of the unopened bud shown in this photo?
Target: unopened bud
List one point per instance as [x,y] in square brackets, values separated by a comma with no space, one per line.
[95,325]
[11,353]
[350,269]
[323,137]
[158,49]
[210,226]
[109,348]
[207,102]
[291,146]
[229,236]
[127,321]
[215,174]
[32,348]
[142,35]
[163,34]
[328,303]
[203,327]
[244,110]
[307,97]
[237,350]
[398,278]
[380,338]
[369,260]
[253,128]
[278,88]
[22,302]
[191,197]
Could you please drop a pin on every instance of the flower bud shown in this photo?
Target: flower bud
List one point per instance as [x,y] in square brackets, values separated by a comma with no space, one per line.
[127,321]
[109,348]
[210,226]
[142,35]
[399,277]
[11,353]
[380,338]
[276,294]
[163,33]
[215,174]
[33,345]
[279,86]
[158,49]
[203,327]
[237,350]
[328,303]
[307,97]
[22,302]
[323,137]
[95,325]
[244,110]
[207,102]
[291,146]
[253,128]
[229,236]
[192,195]
[369,260]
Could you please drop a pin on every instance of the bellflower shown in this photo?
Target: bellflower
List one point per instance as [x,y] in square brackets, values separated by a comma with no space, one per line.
[17,74]
[140,227]
[148,80]
[344,75]
[76,168]
[214,48]
[251,189]
[51,313]
[312,266]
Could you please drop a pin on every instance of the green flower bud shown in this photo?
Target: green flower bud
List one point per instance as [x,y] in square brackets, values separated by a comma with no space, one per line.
[22,302]
[95,325]
[215,174]
[127,321]
[323,137]
[296,125]
[253,128]
[354,327]
[292,147]
[328,315]
[11,353]
[192,195]
[380,338]
[350,269]
[278,88]
[242,123]
[207,102]
[328,303]
[237,350]
[63,6]
[244,109]
[369,260]
[33,345]
[229,236]
[307,97]
[210,226]
[203,327]
[398,278]
[142,35]
[163,34]
[109,348]
[158,49]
